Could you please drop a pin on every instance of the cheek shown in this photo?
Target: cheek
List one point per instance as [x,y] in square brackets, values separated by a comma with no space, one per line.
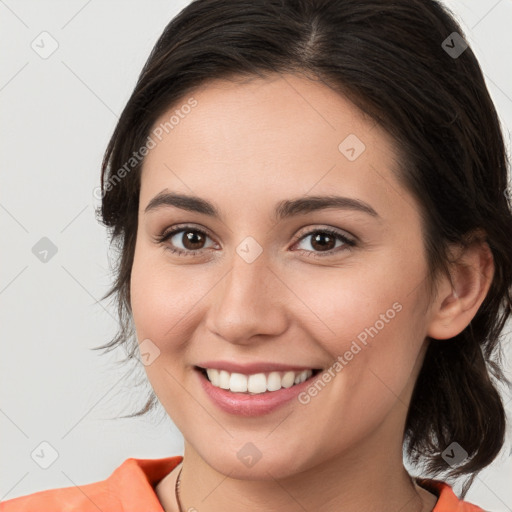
[162,297]
[369,320]
[349,303]
[374,352]
[164,307]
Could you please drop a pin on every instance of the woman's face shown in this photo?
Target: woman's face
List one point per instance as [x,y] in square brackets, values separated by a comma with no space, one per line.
[276,282]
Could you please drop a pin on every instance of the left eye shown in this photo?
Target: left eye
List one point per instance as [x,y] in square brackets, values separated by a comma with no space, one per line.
[324,241]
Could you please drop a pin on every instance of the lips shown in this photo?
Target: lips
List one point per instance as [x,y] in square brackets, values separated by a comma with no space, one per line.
[245,403]
[252,389]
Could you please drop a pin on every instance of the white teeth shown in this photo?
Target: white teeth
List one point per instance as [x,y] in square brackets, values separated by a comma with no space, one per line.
[223,379]
[301,377]
[213,375]
[238,383]
[273,381]
[287,380]
[256,383]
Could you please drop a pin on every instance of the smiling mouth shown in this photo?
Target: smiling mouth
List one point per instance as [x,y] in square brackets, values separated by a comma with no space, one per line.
[256,383]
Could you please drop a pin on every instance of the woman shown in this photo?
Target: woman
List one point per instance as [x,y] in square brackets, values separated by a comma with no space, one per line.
[310,202]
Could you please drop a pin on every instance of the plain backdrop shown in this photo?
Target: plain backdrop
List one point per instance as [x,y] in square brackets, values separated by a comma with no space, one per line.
[58,111]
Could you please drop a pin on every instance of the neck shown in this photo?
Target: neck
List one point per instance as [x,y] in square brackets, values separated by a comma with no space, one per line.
[377,482]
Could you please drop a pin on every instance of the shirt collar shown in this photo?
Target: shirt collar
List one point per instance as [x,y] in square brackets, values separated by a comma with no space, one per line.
[135,481]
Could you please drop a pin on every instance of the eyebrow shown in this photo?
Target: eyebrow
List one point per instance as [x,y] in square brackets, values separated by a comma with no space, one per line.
[283,210]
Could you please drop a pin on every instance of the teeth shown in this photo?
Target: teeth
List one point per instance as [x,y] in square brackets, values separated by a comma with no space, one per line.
[301,377]
[223,379]
[287,381]
[273,381]
[238,383]
[256,383]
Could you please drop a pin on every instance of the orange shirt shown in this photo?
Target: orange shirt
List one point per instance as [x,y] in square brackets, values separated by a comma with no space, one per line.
[130,488]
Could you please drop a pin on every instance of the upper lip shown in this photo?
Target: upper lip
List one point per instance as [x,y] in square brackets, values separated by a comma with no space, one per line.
[252,368]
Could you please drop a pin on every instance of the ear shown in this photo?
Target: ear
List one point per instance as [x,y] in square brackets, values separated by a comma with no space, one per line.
[461,294]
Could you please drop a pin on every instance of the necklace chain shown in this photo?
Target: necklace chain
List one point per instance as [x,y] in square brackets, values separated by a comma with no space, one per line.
[177,491]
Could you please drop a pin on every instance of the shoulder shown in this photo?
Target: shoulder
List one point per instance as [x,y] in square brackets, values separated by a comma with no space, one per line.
[447,500]
[129,487]
[84,498]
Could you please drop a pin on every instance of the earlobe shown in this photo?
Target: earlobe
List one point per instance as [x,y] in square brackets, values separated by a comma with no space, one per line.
[462,293]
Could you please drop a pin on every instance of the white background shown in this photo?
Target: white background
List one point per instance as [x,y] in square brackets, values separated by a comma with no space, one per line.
[57,115]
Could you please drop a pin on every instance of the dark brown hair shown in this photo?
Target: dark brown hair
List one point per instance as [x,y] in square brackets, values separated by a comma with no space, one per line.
[389,59]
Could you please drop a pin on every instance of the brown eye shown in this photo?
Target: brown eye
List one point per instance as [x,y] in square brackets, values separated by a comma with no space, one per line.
[325,241]
[192,240]
[185,240]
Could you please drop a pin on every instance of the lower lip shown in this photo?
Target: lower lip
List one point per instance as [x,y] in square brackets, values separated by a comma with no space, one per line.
[243,404]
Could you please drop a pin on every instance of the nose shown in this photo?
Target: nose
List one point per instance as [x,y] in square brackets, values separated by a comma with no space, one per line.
[248,303]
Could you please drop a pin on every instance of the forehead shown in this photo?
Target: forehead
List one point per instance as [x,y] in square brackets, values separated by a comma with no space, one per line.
[238,115]
[280,136]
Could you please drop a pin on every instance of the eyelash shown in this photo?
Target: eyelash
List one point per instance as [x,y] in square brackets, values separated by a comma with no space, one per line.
[349,244]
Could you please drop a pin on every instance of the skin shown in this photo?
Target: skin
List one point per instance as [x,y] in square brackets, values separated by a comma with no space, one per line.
[245,147]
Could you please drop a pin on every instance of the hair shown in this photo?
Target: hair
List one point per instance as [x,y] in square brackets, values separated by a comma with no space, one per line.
[388,59]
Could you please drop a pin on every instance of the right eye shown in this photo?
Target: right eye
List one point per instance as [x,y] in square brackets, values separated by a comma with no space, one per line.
[191,239]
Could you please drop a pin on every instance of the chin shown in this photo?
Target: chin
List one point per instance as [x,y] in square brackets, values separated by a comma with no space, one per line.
[246,462]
